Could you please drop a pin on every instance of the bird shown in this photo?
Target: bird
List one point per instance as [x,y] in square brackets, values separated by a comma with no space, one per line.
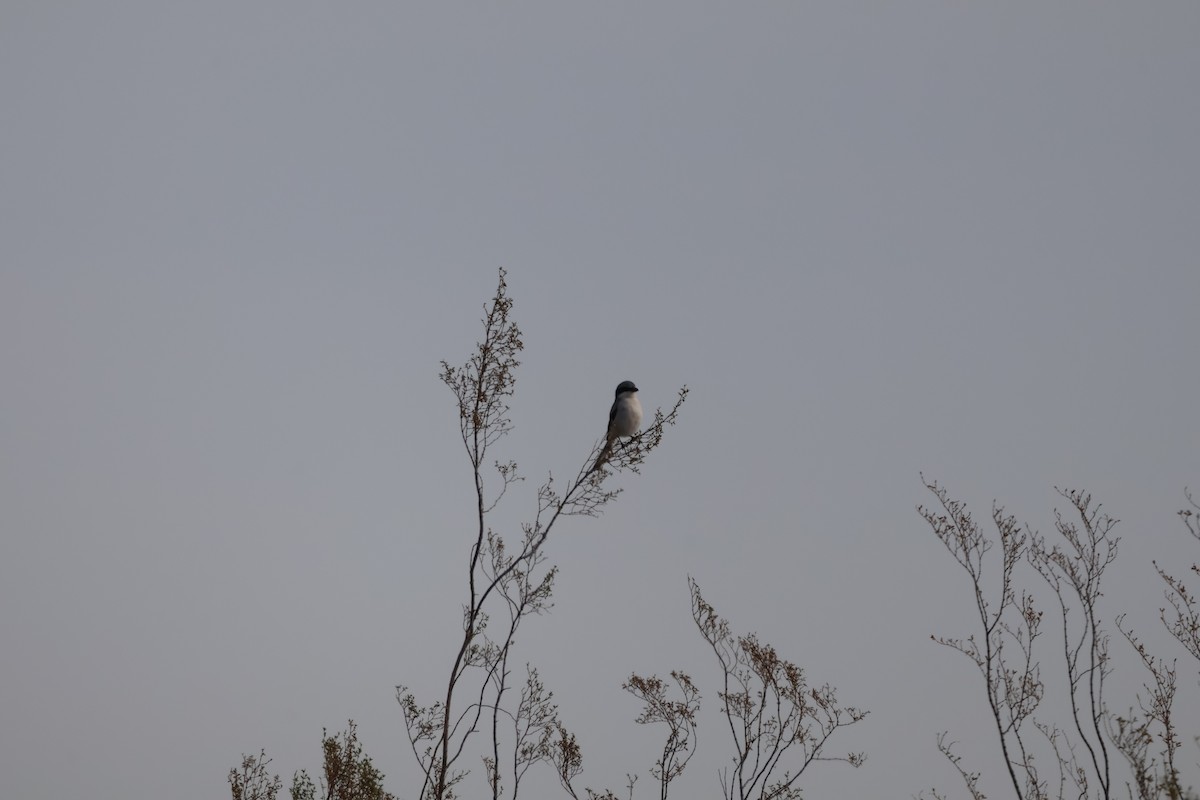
[624,419]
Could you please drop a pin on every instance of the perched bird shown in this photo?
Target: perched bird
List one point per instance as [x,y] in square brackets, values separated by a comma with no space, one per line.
[624,419]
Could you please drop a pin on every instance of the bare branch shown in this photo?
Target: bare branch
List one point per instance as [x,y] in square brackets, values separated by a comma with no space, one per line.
[1013,692]
[678,715]
[252,781]
[770,709]
[506,583]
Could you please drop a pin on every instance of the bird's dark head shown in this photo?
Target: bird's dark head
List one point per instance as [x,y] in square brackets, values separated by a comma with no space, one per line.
[625,386]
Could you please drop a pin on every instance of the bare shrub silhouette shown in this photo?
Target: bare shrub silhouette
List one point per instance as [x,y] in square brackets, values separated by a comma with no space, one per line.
[1005,651]
[503,583]
[779,725]
[251,781]
[346,774]
[770,709]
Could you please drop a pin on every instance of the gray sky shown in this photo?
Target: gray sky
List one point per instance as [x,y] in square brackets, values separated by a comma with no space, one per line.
[874,239]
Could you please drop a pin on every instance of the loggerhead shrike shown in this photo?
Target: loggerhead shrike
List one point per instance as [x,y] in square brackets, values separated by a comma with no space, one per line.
[624,419]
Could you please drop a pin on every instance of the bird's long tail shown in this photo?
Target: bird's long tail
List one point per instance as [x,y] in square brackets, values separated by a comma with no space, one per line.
[605,452]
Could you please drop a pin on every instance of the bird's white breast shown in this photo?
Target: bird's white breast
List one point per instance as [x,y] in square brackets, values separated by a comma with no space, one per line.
[629,415]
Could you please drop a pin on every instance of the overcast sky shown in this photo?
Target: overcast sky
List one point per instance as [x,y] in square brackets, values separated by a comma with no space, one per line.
[875,239]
